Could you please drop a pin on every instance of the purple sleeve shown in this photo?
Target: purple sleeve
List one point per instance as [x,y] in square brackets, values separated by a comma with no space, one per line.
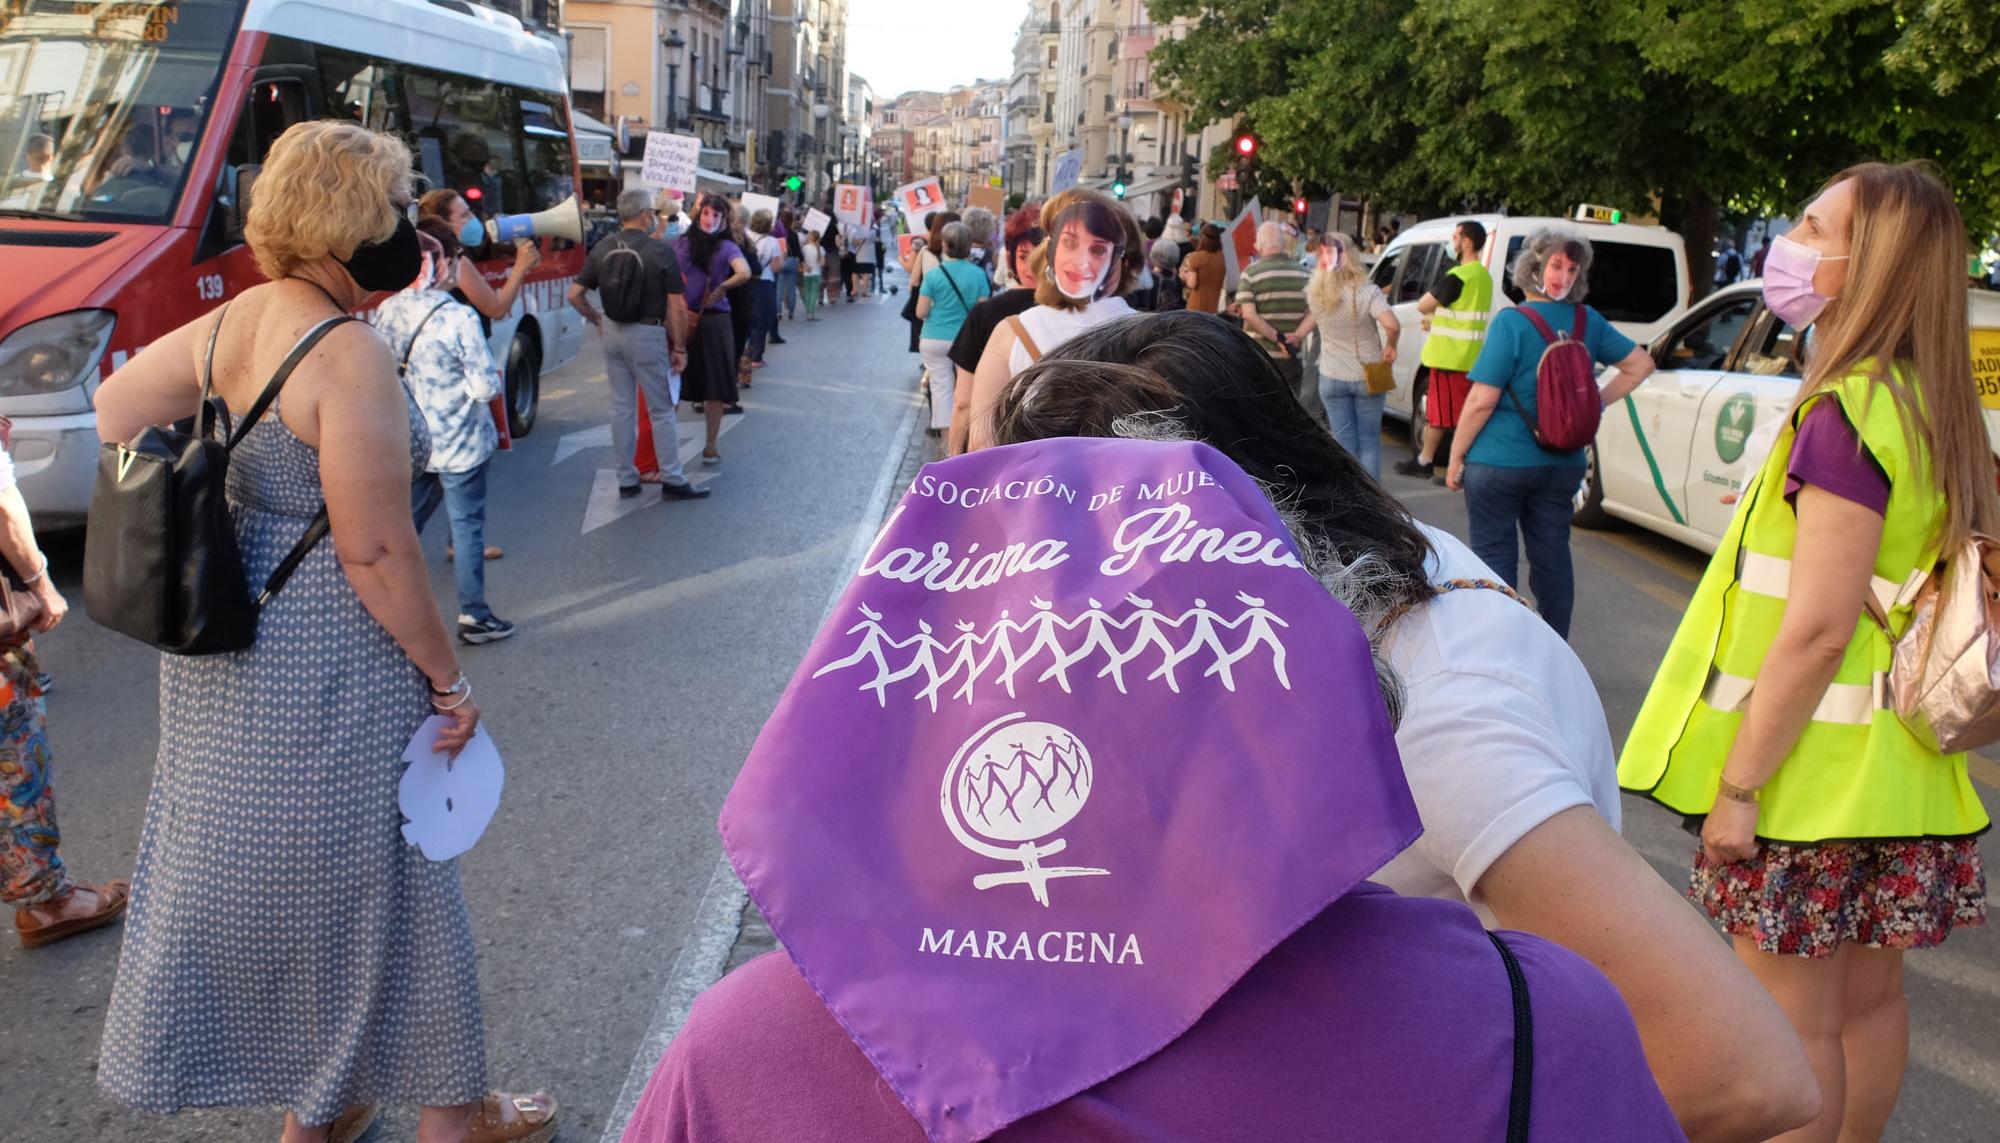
[1828,454]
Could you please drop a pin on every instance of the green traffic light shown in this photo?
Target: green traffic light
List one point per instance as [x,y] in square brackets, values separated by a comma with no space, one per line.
[794,183]
[1118,190]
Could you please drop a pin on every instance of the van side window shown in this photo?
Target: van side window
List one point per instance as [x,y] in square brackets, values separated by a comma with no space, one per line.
[1706,345]
[275,104]
[1385,270]
[362,90]
[1420,271]
[466,133]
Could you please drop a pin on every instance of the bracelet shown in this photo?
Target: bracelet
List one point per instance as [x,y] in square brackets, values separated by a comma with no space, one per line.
[38,576]
[463,698]
[1736,793]
[453,689]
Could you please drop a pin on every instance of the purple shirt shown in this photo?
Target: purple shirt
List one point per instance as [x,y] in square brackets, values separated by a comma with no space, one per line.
[697,278]
[1385,1017]
[1828,454]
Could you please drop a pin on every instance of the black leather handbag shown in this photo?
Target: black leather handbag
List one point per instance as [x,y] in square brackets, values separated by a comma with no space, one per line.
[160,559]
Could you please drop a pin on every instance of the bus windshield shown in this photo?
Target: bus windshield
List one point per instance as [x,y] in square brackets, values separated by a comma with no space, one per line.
[101,103]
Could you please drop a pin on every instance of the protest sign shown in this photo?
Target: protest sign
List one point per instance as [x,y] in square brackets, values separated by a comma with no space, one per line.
[671,161]
[849,203]
[918,200]
[1068,167]
[817,221]
[991,198]
[1239,243]
[752,203]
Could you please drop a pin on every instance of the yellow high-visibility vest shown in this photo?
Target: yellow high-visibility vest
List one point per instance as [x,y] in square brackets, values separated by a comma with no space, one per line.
[1857,771]
[1459,329]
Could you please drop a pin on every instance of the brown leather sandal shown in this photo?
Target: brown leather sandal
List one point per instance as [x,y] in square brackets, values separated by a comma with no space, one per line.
[83,908]
[353,1123]
[505,1117]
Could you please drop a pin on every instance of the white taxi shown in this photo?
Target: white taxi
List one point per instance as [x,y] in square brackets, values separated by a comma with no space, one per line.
[1695,431]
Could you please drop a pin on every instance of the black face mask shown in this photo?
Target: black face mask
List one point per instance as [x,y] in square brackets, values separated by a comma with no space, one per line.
[388,265]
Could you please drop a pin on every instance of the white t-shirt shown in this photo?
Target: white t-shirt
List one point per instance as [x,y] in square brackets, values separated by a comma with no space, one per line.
[1502,729]
[1050,327]
[812,256]
[772,253]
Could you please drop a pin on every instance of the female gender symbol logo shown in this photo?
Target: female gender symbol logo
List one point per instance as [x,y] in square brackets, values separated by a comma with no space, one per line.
[1018,782]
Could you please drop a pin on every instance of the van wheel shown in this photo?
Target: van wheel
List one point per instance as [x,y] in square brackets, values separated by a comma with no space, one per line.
[1587,510]
[524,385]
[1419,388]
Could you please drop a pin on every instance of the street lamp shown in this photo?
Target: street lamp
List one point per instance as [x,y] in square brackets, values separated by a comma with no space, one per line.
[675,45]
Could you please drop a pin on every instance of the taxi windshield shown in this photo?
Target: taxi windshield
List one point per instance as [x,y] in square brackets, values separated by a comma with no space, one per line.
[101,103]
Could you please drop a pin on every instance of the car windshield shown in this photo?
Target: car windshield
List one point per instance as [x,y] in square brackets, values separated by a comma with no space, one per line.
[101,104]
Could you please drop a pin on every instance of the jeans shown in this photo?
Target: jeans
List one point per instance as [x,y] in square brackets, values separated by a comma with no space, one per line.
[763,319]
[635,356]
[465,507]
[1536,501]
[809,293]
[1355,416]
[788,290]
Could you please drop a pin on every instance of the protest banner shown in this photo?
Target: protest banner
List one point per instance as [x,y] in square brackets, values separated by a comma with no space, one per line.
[991,198]
[671,161]
[752,203]
[918,200]
[1068,167]
[817,221]
[1239,243]
[849,201]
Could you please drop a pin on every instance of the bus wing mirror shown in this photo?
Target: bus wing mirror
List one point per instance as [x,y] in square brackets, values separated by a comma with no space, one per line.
[236,197]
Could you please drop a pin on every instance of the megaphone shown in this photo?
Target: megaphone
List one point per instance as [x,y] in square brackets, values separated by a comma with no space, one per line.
[563,220]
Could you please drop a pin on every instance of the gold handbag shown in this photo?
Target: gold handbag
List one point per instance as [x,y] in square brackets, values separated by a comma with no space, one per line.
[1378,376]
[1944,682]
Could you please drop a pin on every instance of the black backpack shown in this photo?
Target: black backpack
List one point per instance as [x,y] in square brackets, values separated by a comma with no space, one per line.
[160,559]
[621,281]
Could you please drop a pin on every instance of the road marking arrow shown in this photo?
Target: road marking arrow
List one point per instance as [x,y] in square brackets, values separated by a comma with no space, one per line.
[605,505]
[569,444]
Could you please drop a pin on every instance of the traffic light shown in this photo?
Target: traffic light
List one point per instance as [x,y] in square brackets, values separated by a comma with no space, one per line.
[1299,206]
[794,183]
[1246,145]
[1118,183]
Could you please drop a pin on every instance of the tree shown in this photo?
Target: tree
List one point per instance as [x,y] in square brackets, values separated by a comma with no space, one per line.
[1535,105]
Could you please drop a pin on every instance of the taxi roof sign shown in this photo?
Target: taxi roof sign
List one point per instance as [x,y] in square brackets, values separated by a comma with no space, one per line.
[1590,212]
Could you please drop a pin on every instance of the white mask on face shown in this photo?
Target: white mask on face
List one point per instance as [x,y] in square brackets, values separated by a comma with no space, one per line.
[1556,295]
[1096,283]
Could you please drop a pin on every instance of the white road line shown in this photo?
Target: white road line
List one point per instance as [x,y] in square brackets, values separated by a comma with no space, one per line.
[705,951]
[605,505]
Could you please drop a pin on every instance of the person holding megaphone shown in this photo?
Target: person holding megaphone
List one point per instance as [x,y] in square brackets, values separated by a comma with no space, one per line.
[449,207]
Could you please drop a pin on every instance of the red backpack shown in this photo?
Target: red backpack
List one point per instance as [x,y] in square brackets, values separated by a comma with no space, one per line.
[1568,405]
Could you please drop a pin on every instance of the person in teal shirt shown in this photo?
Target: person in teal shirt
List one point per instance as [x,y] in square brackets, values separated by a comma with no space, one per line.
[944,300]
[1514,487]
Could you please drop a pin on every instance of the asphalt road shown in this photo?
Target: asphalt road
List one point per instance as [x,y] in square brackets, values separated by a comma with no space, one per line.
[654,640]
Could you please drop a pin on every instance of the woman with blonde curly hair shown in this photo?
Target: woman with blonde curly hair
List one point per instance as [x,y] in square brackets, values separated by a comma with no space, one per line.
[1089,261]
[286,946]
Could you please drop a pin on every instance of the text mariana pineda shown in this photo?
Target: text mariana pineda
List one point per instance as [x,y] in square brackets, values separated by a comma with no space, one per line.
[1167,534]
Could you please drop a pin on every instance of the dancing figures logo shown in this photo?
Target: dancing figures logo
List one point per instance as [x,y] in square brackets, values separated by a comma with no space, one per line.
[1009,787]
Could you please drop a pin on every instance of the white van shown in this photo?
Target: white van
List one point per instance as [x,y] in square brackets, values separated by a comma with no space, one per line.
[1638,281]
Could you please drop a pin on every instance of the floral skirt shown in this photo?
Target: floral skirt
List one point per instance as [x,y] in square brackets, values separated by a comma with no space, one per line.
[1805,900]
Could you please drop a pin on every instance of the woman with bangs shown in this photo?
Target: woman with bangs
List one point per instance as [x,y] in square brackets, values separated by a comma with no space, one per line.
[1833,838]
[286,945]
[1089,261]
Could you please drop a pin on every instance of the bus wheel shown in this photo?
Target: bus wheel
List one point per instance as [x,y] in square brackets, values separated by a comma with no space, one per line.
[524,385]
[1587,508]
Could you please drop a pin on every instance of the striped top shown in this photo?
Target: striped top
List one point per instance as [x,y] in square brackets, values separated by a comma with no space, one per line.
[1277,287]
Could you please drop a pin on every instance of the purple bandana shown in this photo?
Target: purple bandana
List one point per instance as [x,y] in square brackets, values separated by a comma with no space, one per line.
[1080,744]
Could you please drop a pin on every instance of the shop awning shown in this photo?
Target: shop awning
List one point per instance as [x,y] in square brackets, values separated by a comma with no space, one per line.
[705,177]
[585,125]
[1152,186]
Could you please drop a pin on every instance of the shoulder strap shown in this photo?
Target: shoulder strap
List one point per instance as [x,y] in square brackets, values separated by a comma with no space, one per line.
[403,366]
[205,413]
[962,303]
[1020,329]
[1439,590]
[1522,1091]
[284,373]
[315,532]
[1582,331]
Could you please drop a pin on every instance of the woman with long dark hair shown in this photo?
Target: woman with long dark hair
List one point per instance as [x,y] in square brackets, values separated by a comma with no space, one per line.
[711,265]
[1501,732]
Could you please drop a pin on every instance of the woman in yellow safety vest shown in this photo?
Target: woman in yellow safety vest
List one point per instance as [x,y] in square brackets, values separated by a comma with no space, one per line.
[1832,838]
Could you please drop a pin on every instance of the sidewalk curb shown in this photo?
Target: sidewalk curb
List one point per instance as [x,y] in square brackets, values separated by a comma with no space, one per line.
[717,930]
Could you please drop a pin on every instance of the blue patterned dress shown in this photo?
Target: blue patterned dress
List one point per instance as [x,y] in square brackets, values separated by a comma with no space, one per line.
[285,946]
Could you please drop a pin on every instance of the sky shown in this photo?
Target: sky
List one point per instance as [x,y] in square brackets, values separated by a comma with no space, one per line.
[908,45]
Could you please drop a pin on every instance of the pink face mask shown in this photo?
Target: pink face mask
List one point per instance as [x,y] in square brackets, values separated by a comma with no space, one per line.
[1788,281]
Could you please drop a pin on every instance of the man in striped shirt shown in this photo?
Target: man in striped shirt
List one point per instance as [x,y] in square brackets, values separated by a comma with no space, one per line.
[1272,294]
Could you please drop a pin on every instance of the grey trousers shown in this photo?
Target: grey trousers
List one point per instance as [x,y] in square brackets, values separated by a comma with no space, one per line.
[634,356]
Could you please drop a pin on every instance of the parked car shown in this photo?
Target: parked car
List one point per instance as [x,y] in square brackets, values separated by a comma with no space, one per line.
[1638,281]
[1692,435]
